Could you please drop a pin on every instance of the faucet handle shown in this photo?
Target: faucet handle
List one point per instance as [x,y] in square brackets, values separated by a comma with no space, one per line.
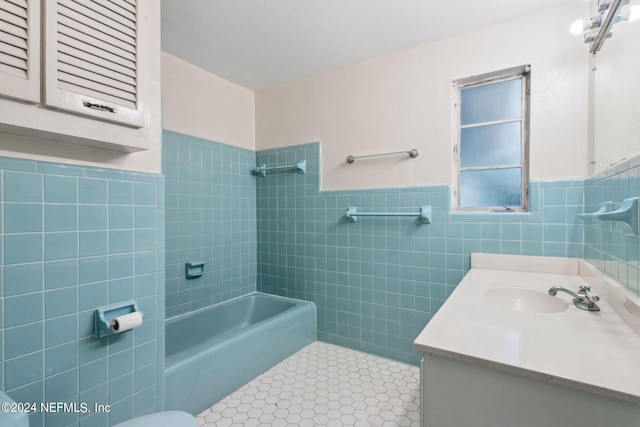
[585,289]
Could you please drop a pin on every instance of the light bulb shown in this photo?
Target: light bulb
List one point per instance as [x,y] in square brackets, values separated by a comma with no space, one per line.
[634,13]
[577,27]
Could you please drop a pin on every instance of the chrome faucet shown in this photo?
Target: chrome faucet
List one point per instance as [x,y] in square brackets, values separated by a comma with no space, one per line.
[584,299]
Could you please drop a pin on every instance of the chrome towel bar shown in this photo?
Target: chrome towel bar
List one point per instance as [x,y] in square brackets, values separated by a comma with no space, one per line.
[413,153]
[300,167]
[424,216]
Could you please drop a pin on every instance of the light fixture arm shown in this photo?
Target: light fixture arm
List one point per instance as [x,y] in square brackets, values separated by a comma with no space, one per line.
[608,22]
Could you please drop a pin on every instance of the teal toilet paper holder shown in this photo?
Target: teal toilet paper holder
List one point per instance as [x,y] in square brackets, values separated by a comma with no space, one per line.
[104,317]
[194,269]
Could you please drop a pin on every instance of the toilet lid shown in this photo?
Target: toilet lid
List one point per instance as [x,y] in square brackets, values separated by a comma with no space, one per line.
[162,419]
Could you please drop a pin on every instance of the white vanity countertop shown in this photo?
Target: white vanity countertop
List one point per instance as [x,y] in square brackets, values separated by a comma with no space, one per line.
[598,352]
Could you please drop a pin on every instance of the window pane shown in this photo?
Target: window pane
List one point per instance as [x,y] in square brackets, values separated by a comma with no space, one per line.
[496,187]
[491,102]
[492,145]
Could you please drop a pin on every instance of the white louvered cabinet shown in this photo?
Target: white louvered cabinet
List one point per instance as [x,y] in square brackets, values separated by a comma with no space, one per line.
[91,67]
[20,49]
[91,59]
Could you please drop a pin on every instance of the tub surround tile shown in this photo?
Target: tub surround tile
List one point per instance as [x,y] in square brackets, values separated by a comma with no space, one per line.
[210,216]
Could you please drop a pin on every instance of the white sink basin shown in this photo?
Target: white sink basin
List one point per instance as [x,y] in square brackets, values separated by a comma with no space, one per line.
[525,300]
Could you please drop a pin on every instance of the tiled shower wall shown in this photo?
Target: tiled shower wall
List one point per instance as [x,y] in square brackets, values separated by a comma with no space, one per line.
[75,239]
[378,281]
[211,217]
[610,246]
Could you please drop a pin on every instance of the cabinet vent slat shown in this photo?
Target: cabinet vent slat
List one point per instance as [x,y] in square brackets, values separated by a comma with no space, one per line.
[14,49]
[114,10]
[17,8]
[17,72]
[13,65]
[71,46]
[80,82]
[106,24]
[14,41]
[94,41]
[14,30]
[97,65]
[92,55]
[98,75]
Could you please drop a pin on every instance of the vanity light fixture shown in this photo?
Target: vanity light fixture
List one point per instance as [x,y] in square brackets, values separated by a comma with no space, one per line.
[598,28]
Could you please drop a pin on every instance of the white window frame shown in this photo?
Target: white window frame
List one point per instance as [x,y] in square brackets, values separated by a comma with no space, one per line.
[521,72]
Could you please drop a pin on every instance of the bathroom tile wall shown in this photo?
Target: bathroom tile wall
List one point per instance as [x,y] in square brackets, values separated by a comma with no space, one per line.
[610,245]
[74,239]
[210,216]
[378,281]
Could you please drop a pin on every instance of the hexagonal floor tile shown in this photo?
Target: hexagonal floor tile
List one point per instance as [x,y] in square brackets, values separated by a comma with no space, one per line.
[324,384]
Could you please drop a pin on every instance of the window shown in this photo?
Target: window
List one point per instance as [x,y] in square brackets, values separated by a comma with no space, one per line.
[491,148]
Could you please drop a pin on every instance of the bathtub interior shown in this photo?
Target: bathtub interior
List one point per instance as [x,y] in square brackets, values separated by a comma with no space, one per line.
[216,322]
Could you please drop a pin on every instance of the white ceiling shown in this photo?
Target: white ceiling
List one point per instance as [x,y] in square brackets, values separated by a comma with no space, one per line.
[264,43]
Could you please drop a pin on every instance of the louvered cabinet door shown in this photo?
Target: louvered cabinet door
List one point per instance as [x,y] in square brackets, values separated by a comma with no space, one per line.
[91,59]
[19,49]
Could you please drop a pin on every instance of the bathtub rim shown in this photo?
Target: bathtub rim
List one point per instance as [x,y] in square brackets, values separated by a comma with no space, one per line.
[209,307]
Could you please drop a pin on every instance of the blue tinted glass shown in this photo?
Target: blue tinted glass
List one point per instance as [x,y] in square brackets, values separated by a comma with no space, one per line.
[491,102]
[496,187]
[492,145]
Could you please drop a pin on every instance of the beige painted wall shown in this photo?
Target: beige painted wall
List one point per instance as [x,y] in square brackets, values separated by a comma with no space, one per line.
[198,103]
[405,101]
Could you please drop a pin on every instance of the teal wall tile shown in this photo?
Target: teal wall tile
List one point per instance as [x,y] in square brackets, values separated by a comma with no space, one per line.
[23,339]
[60,302]
[22,248]
[23,309]
[61,358]
[94,243]
[120,266]
[93,295]
[94,269]
[120,217]
[22,217]
[60,274]
[60,217]
[121,387]
[23,370]
[120,192]
[54,264]
[120,241]
[210,216]
[62,386]
[23,278]
[60,245]
[60,189]
[92,191]
[22,187]
[93,217]
[61,330]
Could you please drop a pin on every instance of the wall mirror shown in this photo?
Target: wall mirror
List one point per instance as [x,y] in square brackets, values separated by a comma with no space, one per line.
[615,84]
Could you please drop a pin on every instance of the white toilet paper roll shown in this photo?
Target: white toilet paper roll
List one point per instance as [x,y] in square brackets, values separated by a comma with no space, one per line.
[127,321]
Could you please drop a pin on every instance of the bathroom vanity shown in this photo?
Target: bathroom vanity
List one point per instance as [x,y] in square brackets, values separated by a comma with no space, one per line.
[502,352]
